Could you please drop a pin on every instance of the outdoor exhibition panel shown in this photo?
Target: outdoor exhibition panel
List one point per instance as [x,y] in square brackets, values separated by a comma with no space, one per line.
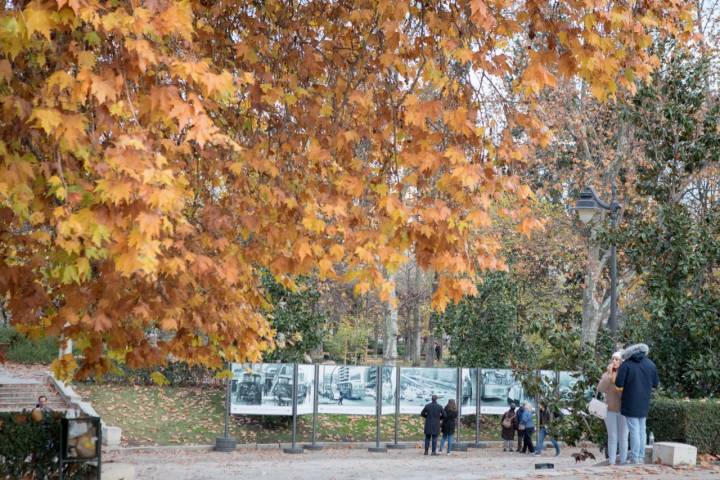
[470,392]
[566,383]
[351,389]
[418,385]
[499,389]
[267,389]
[264,389]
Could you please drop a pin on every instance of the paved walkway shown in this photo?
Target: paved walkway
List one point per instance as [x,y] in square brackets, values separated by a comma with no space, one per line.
[11,373]
[356,464]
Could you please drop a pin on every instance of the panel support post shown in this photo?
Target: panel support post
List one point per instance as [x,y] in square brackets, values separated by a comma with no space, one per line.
[294,449]
[378,411]
[225,443]
[476,388]
[316,386]
[395,445]
[459,446]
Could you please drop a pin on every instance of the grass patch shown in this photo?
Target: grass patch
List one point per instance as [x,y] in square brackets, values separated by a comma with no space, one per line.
[153,415]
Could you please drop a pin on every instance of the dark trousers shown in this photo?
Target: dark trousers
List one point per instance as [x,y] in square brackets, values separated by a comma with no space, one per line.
[434,442]
[520,439]
[527,438]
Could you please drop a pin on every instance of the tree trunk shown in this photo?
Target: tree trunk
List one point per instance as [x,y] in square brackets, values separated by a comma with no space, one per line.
[416,353]
[430,346]
[596,300]
[390,333]
[591,309]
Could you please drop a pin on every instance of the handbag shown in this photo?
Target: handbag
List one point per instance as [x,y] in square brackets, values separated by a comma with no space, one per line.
[597,408]
[507,422]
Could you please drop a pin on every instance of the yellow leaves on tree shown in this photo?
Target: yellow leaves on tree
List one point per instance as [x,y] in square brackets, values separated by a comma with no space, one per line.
[154,155]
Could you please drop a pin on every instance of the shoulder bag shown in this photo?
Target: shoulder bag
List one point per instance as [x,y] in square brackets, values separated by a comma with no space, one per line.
[597,408]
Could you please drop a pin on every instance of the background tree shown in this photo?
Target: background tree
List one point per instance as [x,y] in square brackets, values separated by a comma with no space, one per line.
[414,292]
[483,328]
[296,318]
[674,240]
[157,156]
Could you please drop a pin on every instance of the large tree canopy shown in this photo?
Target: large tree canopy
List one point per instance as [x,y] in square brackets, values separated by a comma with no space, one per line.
[157,155]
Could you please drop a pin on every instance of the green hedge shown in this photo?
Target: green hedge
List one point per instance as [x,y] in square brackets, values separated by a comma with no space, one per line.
[178,374]
[696,422]
[30,450]
[23,350]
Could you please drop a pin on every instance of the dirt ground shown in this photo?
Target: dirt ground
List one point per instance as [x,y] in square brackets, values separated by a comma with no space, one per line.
[359,464]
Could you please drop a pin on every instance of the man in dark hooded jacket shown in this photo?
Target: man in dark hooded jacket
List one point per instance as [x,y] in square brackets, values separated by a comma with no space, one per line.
[636,378]
[432,413]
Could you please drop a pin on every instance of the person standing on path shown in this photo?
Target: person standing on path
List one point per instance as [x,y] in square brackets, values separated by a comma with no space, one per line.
[432,413]
[508,424]
[636,378]
[528,427]
[546,419]
[615,423]
[519,428]
[450,413]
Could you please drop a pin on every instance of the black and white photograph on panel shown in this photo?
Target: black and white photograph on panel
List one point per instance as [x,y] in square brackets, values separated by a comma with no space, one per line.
[548,383]
[469,391]
[347,389]
[306,382]
[500,388]
[418,385]
[567,384]
[266,389]
[388,390]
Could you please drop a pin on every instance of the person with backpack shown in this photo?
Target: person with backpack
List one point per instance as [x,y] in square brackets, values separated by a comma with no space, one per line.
[546,418]
[450,414]
[508,428]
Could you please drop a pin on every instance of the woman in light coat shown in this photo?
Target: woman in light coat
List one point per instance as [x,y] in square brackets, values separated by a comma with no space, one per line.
[617,430]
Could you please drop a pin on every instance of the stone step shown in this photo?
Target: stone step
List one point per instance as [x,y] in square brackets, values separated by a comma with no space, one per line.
[26,395]
[55,408]
[32,401]
[29,400]
[12,387]
[27,391]
[47,392]
[25,388]
[30,404]
[18,410]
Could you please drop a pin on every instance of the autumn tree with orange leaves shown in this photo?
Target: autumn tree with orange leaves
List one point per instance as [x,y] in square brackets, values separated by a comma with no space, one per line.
[157,154]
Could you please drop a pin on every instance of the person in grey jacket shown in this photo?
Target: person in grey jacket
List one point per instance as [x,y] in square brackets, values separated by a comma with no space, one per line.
[432,413]
[636,378]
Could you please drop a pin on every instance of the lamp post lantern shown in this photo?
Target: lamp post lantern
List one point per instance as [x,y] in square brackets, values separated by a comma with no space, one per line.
[587,205]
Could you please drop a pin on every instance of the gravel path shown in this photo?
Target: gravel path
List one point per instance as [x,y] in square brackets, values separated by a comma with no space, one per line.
[356,464]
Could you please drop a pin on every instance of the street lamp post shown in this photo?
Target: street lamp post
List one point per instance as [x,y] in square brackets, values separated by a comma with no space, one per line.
[587,205]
